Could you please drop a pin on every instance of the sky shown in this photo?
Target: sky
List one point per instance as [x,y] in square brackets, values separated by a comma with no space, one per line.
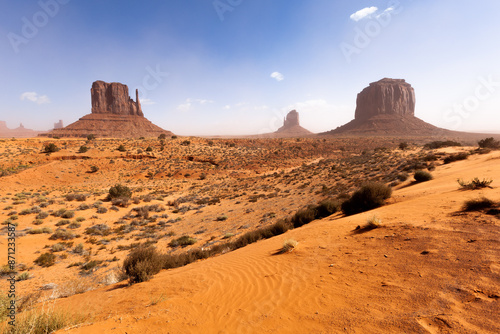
[236,67]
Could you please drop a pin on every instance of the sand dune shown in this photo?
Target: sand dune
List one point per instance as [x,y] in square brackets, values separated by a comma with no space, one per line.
[426,270]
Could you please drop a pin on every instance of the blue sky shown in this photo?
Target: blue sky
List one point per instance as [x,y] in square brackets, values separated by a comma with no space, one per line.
[207,67]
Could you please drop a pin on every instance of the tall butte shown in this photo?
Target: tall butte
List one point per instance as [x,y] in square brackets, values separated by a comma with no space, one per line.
[114,114]
[387,107]
[291,127]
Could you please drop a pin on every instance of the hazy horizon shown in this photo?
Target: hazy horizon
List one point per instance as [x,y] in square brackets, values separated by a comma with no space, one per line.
[237,67]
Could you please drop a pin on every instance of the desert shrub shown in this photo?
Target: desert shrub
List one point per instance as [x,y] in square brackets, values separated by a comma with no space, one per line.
[68,214]
[122,202]
[221,218]
[372,223]
[99,229]
[94,169]
[78,249]
[74,225]
[403,146]
[142,263]
[91,137]
[475,183]
[83,206]
[185,142]
[122,148]
[120,191]
[489,143]
[62,222]
[149,149]
[303,216]
[478,204]
[59,212]
[455,157]
[47,230]
[50,148]
[440,144]
[102,209]
[46,260]
[422,176]
[368,197]
[162,136]
[288,246]
[402,176]
[59,247]
[23,276]
[326,208]
[90,266]
[62,234]
[183,241]
[83,149]
[277,228]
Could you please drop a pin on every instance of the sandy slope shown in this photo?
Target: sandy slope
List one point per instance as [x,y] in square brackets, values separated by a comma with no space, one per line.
[427,270]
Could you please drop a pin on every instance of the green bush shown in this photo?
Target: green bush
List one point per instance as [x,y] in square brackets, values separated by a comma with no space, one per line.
[120,191]
[422,176]
[142,263]
[183,241]
[368,197]
[46,260]
[50,148]
[489,143]
[478,204]
[83,149]
[440,144]
[475,183]
[455,157]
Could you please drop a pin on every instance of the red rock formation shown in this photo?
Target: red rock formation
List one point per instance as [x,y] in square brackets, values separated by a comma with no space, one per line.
[387,96]
[114,114]
[113,98]
[59,125]
[387,107]
[291,119]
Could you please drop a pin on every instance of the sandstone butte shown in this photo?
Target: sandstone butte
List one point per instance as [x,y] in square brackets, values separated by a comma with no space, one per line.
[387,107]
[114,114]
[291,128]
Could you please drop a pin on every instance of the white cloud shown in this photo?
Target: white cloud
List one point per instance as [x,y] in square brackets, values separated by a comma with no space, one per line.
[191,102]
[201,101]
[278,76]
[364,13]
[389,10]
[34,97]
[185,106]
[147,102]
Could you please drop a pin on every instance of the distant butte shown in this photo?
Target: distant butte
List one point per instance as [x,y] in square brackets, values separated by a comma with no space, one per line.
[387,107]
[114,114]
[19,132]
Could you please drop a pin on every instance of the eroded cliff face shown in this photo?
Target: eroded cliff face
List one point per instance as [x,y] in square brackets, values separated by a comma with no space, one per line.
[113,98]
[385,97]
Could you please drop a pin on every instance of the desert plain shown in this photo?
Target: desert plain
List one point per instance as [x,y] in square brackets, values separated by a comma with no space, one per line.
[428,266]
